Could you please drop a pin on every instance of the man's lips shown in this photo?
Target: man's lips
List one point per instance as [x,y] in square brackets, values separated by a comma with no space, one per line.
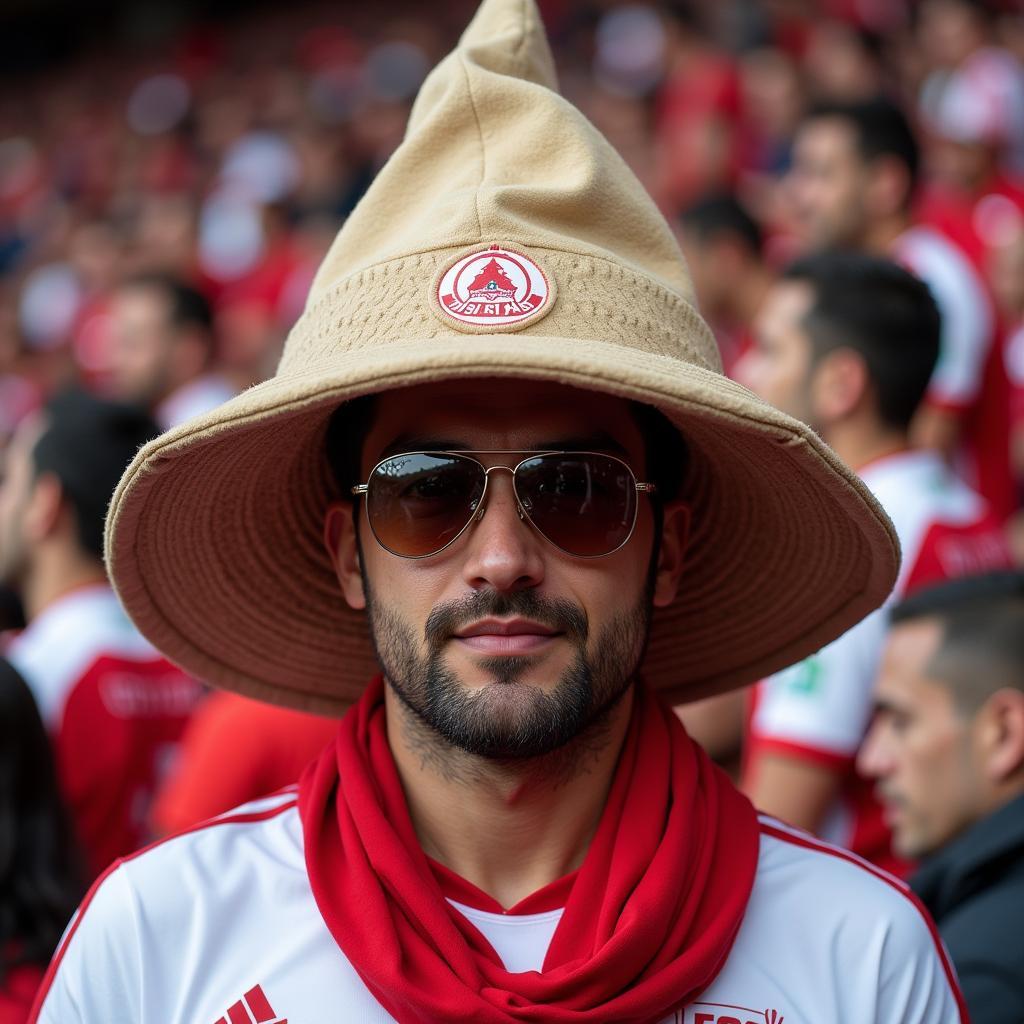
[892,805]
[506,636]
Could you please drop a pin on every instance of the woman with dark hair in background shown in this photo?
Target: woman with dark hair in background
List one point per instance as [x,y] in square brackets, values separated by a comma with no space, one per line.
[39,871]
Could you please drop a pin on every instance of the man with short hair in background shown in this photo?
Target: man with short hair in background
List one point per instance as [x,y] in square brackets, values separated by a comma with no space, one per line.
[853,184]
[723,247]
[847,342]
[946,747]
[162,349]
[114,707]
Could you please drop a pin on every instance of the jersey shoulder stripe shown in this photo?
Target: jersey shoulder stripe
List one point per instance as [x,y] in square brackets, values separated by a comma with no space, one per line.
[778,830]
[255,811]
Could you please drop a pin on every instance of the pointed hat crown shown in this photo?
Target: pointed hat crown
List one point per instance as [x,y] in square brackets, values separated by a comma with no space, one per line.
[494,156]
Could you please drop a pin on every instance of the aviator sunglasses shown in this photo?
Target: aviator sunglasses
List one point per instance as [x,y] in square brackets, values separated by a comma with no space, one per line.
[585,503]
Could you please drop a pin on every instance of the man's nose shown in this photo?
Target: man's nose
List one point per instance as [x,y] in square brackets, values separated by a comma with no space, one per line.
[504,551]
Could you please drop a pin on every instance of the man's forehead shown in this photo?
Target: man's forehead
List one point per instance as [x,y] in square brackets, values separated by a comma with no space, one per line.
[503,412]
[827,135]
[785,306]
[909,650]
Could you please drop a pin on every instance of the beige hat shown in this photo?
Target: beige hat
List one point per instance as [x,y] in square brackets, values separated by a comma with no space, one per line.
[504,237]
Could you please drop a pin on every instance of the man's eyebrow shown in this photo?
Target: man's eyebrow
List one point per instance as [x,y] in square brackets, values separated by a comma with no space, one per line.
[599,442]
[884,706]
[414,443]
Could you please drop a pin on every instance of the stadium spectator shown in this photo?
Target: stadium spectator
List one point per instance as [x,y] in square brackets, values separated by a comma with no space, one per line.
[947,750]
[233,751]
[723,248]
[161,349]
[113,706]
[847,342]
[697,113]
[40,876]
[971,103]
[852,184]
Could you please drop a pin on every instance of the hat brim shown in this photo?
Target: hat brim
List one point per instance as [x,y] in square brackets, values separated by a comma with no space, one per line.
[214,537]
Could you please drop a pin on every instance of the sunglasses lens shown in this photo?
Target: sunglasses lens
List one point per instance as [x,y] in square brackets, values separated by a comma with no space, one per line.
[584,503]
[418,503]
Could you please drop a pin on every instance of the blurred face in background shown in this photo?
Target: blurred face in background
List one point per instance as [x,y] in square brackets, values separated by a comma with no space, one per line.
[779,366]
[705,257]
[921,749]
[828,184]
[142,346]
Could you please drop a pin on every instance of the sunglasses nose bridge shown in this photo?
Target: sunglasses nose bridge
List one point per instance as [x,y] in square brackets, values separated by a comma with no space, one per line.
[482,507]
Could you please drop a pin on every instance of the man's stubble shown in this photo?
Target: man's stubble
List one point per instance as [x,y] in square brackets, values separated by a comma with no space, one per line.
[507,720]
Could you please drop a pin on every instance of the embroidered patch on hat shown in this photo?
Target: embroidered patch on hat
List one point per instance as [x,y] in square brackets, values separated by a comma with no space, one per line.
[492,288]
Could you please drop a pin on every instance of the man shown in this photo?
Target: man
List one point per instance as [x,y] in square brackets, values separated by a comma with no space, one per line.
[852,185]
[971,104]
[509,826]
[947,749]
[723,248]
[112,705]
[847,342]
[161,349]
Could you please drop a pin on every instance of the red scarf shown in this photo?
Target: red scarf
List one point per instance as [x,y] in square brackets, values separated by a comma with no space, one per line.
[650,921]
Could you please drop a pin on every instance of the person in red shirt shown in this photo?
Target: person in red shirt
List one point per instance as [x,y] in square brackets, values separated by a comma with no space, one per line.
[40,882]
[233,751]
[723,247]
[113,706]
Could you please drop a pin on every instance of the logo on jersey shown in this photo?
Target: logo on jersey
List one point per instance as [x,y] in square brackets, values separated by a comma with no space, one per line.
[252,1008]
[492,288]
[723,1013]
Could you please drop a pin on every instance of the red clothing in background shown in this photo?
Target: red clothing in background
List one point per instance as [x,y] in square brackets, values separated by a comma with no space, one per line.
[235,750]
[114,709]
[17,992]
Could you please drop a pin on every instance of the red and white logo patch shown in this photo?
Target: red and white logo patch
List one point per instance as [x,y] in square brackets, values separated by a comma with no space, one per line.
[493,288]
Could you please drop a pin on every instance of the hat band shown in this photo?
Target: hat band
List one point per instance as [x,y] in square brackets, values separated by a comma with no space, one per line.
[597,299]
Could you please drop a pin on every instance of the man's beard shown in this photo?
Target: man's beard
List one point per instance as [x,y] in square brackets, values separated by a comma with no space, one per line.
[506,720]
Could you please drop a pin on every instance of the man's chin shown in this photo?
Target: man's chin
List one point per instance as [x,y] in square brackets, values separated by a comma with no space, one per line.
[539,672]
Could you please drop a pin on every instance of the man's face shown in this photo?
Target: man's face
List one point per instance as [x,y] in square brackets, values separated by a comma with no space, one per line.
[440,623]
[828,183]
[778,367]
[17,477]
[919,748]
[709,283]
[141,346]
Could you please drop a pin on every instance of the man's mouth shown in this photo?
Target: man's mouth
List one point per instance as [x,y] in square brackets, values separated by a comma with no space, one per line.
[496,637]
[892,805]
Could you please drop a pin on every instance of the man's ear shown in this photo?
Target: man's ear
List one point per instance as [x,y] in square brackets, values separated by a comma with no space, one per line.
[45,505]
[839,383]
[342,545]
[1002,725]
[675,535]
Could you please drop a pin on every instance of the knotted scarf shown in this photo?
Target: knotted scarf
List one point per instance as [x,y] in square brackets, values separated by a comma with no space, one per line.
[650,920]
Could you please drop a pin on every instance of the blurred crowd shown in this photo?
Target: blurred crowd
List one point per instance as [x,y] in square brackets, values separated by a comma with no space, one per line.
[166,200]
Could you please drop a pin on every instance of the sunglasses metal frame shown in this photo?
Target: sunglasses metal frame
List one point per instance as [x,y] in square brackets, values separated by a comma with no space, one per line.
[477,513]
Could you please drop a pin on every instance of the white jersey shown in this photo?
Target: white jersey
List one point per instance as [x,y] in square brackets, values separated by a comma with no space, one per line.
[219,925]
[818,709]
[968,321]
